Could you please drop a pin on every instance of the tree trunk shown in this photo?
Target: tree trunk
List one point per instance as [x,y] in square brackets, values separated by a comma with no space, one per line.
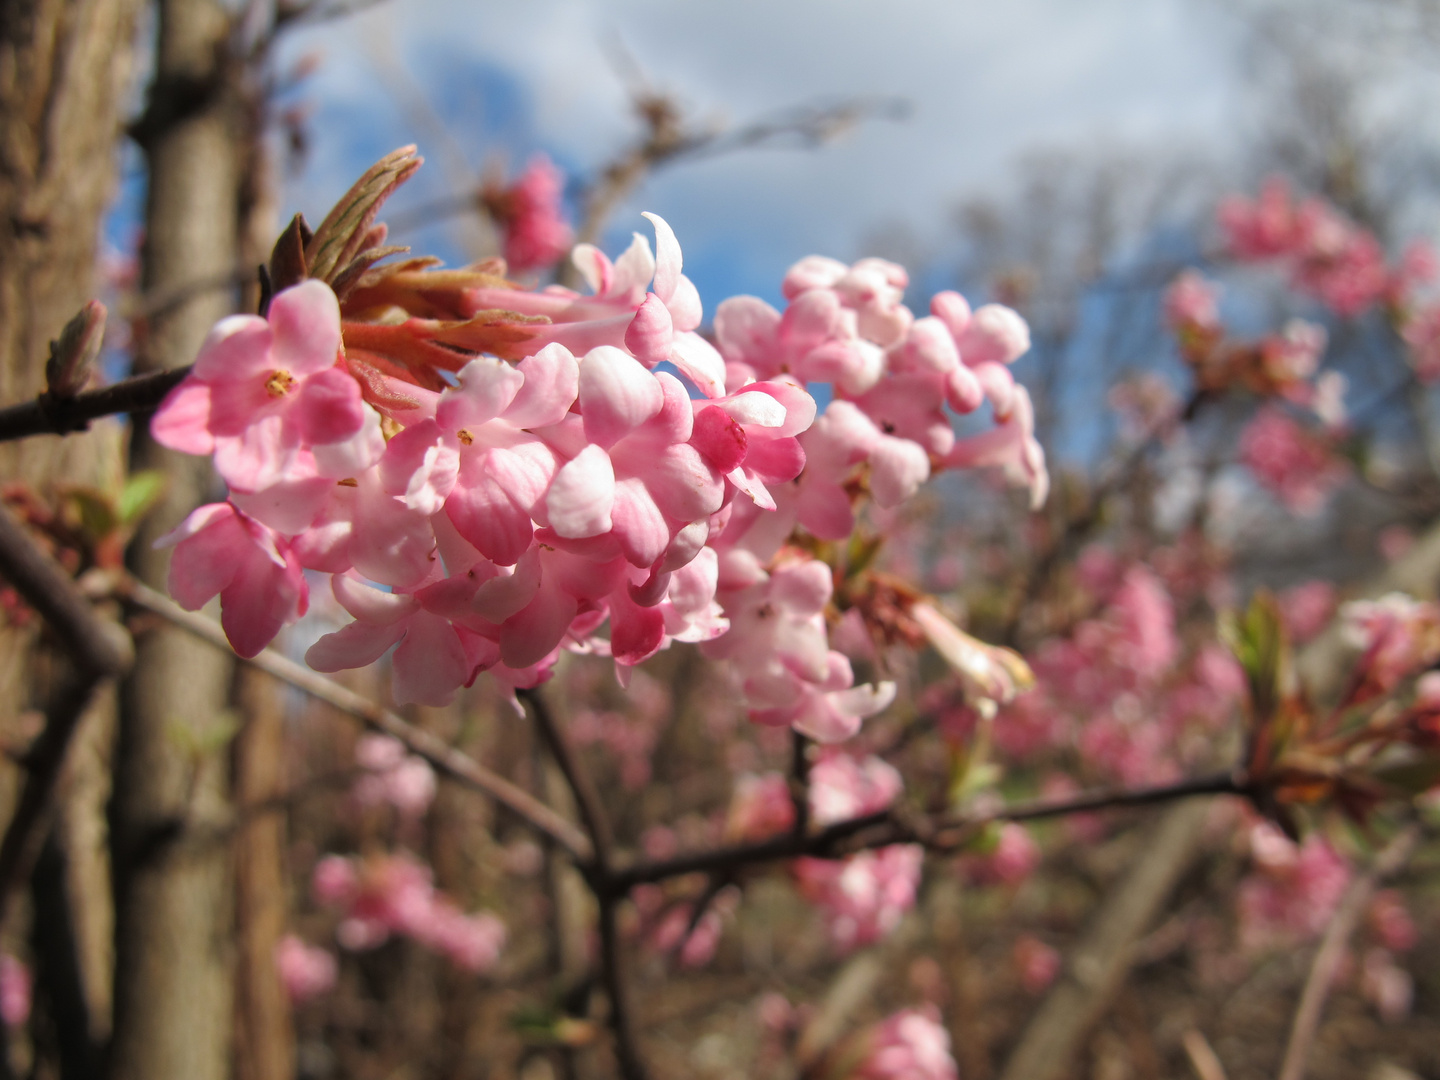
[174,913]
[66,68]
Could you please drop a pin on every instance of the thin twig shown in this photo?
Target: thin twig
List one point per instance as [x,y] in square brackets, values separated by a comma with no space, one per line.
[800,781]
[49,415]
[1333,945]
[447,759]
[1202,1056]
[882,828]
[98,648]
[598,875]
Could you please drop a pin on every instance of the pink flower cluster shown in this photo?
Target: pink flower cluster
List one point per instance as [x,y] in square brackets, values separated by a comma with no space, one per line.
[394,894]
[1399,635]
[862,898]
[520,505]
[1119,687]
[908,1045]
[1329,256]
[531,216]
[1293,890]
[1290,460]
[393,776]
[1340,263]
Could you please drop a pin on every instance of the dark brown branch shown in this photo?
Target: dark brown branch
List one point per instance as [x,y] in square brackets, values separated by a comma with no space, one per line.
[48,415]
[452,762]
[598,874]
[800,781]
[885,827]
[99,649]
[587,799]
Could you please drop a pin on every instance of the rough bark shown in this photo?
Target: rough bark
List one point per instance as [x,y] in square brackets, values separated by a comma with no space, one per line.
[174,992]
[66,67]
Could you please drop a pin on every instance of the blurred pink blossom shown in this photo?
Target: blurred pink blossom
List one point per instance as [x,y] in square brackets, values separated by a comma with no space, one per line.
[15,988]
[908,1045]
[1289,461]
[306,971]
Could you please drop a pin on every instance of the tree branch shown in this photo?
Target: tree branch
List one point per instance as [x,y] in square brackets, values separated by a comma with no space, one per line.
[50,415]
[885,827]
[444,757]
[598,874]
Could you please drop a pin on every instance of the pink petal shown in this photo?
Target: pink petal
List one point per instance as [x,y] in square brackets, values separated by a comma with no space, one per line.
[685,307]
[825,510]
[617,395]
[328,407]
[355,646]
[421,467]
[804,589]
[430,664]
[634,268]
[237,346]
[667,257]
[487,388]
[505,595]
[368,604]
[650,332]
[529,636]
[594,266]
[812,272]
[290,506]
[897,469]
[719,438]
[636,633]
[305,320]
[583,491]
[697,360]
[641,529]
[487,517]
[683,484]
[747,329]
[552,381]
[183,420]
[209,546]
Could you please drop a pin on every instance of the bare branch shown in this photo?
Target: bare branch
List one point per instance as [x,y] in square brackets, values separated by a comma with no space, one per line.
[48,415]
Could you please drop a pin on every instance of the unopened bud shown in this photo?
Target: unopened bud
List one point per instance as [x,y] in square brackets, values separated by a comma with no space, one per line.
[73,356]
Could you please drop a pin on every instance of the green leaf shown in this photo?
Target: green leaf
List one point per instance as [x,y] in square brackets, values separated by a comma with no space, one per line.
[95,511]
[141,492]
[1257,639]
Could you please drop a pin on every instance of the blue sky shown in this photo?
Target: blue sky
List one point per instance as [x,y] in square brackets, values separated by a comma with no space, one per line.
[987,82]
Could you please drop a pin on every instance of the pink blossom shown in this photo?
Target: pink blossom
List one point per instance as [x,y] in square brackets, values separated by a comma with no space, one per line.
[1036,962]
[267,399]
[1420,330]
[760,807]
[1386,985]
[864,897]
[15,991]
[1294,889]
[908,1045]
[1191,304]
[394,894]
[1399,636]
[305,971]
[1264,228]
[530,214]
[844,787]
[255,572]
[394,776]
[1306,609]
[1289,461]
[1013,859]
